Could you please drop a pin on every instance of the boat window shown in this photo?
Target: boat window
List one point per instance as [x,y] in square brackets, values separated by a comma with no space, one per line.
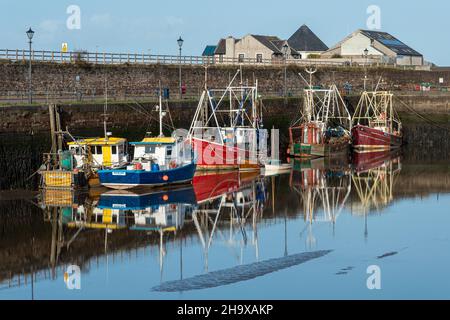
[169,151]
[121,149]
[99,150]
[149,149]
[114,149]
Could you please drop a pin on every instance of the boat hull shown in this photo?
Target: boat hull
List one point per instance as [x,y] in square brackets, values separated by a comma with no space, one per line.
[215,156]
[370,139]
[128,179]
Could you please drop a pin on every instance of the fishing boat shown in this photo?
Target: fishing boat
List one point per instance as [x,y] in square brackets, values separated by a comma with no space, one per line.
[227,129]
[376,125]
[323,130]
[73,162]
[158,161]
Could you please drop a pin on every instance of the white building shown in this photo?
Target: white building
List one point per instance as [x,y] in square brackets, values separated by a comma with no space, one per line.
[381,46]
[268,48]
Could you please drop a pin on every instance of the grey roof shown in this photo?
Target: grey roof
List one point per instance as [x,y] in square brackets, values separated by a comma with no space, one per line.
[305,40]
[269,42]
[280,43]
[391,42]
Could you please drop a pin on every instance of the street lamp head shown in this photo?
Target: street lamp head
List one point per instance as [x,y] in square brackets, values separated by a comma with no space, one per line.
[366,52]
[30,34]
[180,42]
[285,49]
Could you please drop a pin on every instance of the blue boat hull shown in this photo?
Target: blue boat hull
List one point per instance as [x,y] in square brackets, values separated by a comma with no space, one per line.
[127,179]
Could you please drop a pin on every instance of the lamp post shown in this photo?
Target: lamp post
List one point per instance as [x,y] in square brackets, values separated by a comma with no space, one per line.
[30,34]
[180,45]
[366,54]
[285,53]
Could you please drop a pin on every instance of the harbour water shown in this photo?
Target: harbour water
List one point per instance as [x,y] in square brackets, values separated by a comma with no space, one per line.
[312,233]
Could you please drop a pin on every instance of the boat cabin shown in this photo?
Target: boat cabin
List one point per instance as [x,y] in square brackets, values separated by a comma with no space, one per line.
[101,152]
[163,152]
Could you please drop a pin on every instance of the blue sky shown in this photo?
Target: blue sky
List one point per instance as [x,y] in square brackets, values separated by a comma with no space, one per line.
[143,25]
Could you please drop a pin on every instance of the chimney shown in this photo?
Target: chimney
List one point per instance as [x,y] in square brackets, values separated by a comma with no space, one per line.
[229,45]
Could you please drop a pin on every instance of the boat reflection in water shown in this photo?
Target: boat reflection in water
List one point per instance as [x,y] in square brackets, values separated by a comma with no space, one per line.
[321,184]
[222,209]
[326,185]
[374,179]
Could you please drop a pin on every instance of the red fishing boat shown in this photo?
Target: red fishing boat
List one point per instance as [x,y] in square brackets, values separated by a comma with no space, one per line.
[376,125]
[227,131]
[323,130]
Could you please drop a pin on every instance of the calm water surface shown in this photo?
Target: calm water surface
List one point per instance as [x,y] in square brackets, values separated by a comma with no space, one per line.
[311,233]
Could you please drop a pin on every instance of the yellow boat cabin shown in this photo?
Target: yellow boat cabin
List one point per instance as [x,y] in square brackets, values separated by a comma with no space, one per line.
[100,152]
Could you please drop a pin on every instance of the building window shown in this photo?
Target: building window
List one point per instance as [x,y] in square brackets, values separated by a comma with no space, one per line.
[241,57]
[259,58]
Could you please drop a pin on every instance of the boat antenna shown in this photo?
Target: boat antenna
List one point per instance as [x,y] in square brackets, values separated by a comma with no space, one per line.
[105,109]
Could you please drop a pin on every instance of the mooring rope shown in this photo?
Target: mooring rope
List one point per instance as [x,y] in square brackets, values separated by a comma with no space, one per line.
[430,121]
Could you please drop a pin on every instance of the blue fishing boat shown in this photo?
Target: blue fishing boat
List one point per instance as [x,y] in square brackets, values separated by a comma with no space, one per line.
[158,161]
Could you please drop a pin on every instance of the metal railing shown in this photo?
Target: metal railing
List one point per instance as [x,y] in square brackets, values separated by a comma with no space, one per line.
[142,58]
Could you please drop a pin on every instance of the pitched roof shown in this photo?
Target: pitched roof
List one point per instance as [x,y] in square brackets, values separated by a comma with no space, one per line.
[391,42]
[306,40]
[269,42]
[221,47]
[209,51]
[280,43]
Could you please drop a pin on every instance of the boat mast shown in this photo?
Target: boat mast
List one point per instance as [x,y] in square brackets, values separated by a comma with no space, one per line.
[160,112]
[309,103]
[105,109]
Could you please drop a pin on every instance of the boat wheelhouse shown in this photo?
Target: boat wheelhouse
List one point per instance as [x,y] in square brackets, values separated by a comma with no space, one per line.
[376,125]
[227,129]
[107,152]
[323,129]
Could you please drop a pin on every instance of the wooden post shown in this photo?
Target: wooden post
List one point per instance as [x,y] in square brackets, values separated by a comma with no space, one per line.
[51,111]
[59,130]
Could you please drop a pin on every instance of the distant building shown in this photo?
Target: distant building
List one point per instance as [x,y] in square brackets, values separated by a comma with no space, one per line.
[306,43]
[380,45]
[264,48]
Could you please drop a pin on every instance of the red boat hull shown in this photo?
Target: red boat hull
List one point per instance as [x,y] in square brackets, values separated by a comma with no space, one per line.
[215,156]
[369,139]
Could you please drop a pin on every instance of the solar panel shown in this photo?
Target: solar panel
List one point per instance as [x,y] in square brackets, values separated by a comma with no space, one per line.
[394,42]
